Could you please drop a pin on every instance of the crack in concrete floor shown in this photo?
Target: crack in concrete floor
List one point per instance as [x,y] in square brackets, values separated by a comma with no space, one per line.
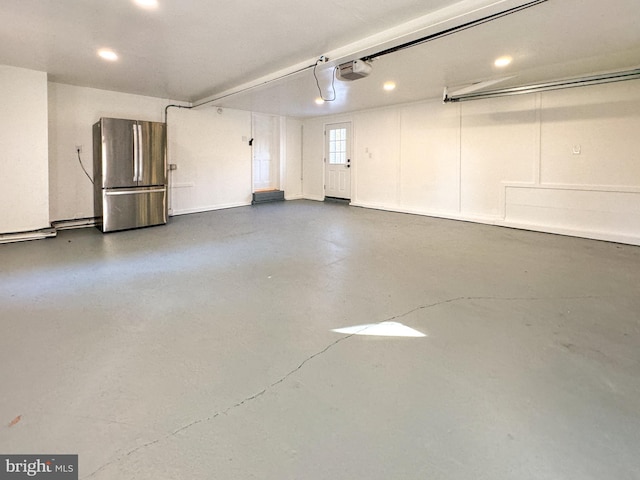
[311,357]
[503,299]
[225,411]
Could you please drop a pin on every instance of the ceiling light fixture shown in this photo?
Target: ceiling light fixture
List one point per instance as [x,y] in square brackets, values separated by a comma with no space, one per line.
[108,54]
[503,61]
[389,86]
[319,101]
[146,3]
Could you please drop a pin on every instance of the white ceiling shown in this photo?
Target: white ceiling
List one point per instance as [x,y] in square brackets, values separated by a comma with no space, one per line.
[201,50]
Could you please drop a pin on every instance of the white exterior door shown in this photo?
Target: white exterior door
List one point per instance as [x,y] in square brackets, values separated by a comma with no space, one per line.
[338,160]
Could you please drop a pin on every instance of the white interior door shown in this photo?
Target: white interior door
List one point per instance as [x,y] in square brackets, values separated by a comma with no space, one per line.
[338,160]
[266,152]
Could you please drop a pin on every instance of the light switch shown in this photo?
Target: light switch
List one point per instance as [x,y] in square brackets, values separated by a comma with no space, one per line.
[577,149]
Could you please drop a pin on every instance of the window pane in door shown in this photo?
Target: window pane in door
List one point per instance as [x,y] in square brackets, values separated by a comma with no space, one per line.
[338,146]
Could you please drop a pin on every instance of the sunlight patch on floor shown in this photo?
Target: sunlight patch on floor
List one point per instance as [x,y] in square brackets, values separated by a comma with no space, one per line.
[383,329]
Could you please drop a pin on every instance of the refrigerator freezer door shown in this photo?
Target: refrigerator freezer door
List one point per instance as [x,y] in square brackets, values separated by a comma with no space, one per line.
[118,153]
[152,153]
[133,208]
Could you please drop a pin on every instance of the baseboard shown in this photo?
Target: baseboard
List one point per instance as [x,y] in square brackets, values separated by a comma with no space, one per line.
[297,196]
[484,219]
[500,222]
[210,208]
[74,223]
[315,198]
[589,234]
[26,236]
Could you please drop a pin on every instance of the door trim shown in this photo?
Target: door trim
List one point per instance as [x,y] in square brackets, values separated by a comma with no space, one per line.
[350,154]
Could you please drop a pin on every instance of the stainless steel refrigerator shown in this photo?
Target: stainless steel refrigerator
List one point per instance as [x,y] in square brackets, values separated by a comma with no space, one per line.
[129,173]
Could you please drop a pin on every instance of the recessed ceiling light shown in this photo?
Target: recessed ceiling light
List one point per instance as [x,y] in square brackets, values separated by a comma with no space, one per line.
[319,101]
[108,54]
[146,3]
[388,86]
[503,61]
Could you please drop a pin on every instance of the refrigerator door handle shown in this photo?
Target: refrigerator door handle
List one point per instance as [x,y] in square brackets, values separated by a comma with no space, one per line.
[138,191]
[140,153]
[135,153]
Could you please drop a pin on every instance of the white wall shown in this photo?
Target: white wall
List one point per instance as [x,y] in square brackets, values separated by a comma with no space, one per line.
[24,171]
[292,155]
[213,156]
[214,159]
[499,143]
[595,193]
[430,153]
[377,164]
[72,112]
[505,161]
[210,150]
[312,159]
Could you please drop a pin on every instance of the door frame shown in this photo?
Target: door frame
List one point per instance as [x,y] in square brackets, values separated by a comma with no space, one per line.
[325,154]
[278,173]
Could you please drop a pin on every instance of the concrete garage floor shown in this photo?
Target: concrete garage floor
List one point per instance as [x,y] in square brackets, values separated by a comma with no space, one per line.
[203,349]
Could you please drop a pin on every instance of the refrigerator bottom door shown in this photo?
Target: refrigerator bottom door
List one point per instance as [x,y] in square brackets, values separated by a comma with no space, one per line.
[123,209]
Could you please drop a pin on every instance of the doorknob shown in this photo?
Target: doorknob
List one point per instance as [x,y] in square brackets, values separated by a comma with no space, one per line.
[349,163]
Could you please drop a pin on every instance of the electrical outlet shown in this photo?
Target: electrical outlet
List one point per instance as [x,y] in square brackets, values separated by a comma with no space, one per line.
[79,148]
